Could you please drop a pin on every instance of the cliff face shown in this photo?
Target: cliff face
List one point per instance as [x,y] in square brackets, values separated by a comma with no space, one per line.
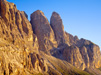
[73,56]
[58,28]
[24,46]
[90,53]
[79,52]
[15,28]
[43,31]
[18,45]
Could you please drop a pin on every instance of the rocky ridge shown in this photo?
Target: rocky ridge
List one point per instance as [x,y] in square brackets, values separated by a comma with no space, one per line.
[38,46]
[43,30]
[58,28]
[18,45]
[68,48]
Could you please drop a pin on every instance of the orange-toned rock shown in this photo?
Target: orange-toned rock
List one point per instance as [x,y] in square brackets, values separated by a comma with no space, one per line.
[18,44]
[15,27]
[84,53]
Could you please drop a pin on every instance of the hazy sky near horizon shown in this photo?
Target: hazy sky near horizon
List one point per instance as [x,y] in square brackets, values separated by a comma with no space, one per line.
[80,17]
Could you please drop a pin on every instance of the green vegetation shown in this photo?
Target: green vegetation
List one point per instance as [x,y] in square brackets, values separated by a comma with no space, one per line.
[99,69]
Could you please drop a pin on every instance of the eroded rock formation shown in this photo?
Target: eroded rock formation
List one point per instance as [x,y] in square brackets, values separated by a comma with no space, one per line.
[43,31]
[24,46]
[73,56]
[18,45]
[58,28]
[15,27]
[80,53]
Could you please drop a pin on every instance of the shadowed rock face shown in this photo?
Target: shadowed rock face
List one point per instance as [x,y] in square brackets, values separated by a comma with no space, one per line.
[83,53]
[90,52]
[58,28]
[93,54]
[73,56]
[80,52]
[71,39]
[43,31]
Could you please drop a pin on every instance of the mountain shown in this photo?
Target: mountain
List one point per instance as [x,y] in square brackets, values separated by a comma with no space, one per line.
[43,31]
[19,53]
[38,47]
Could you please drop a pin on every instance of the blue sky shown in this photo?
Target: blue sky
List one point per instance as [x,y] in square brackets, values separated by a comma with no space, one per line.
[80,17]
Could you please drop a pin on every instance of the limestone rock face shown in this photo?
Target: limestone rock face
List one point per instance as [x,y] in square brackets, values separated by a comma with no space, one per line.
[84,53]
[72,40]
[73,56]
[43,31]
[19,53]
[82,42]
[90,53]
[15,27]
[14,62]
[83,50]
[58,28]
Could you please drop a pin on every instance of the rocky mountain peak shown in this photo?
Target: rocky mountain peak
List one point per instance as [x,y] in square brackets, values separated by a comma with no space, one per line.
[29,48]
[18,44]
[37,14]
[43,30]
[58,28]
[56,15]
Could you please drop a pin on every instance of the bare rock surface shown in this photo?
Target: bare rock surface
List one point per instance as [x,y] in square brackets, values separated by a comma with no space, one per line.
[23,46]
[43,31]
[73,56]
[80,52]
[58,28]
[15,27]
[19,53]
